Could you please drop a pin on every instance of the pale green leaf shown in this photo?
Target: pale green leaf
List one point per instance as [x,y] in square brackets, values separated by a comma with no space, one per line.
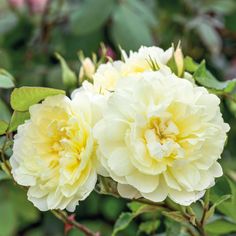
[190,65]
[6,80]
[24,97]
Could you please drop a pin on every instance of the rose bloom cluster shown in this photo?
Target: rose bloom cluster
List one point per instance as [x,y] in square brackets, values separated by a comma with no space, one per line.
[154,133]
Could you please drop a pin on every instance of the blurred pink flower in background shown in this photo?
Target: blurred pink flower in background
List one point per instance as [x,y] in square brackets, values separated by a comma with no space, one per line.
[16,4]
[37,6]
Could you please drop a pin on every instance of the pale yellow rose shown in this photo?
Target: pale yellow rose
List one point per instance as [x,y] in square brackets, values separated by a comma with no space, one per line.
[107,75]
[140,61]
[53,152]
[161,136]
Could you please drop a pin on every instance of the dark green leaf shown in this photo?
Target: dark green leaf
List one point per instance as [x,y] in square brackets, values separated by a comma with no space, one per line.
[4,114]
[221,227]
[209,36]
[122,222]
[3,175]
[225,186]
[126,217]
[91,15]
[3,127]
[8,219]
[211,211]
[230,22]
[143,11]
[24,97]
[129,30]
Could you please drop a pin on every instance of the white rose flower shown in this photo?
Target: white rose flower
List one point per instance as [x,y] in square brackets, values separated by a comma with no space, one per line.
[107,75]
[161,137]
[53,152]
[138,62]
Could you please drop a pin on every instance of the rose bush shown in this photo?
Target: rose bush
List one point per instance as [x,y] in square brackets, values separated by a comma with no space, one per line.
[142,128]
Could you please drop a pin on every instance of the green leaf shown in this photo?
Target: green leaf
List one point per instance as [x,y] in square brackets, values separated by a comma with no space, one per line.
[3,127]
[225,186]
[8,21]
[176,216]
[220,227]
[122,222]
[68,76]
[16,211]
[4,176]
[211,211]
[6,80]
[134,206]
[18,118]
[8,219]
[230,22]
[145,12]
[129,30]
[209,36]
[91,15]
[190,65]
[206,79]
[149,227]
[126,217]
[24,97]
[5,113]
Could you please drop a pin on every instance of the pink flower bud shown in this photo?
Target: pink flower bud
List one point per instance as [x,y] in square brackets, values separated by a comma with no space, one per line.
[109,52]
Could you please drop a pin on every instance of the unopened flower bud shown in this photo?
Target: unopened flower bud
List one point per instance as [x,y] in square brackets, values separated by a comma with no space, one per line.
[87,69]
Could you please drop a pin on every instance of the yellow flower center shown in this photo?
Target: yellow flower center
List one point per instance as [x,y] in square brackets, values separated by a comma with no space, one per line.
[161,139]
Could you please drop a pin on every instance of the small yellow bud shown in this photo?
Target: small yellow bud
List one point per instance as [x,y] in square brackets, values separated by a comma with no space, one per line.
[87,69]
[179,60]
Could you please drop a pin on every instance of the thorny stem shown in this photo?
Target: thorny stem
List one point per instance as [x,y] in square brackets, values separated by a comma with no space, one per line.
[62,215]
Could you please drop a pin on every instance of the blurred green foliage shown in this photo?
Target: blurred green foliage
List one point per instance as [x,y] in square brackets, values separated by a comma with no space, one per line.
[28,42]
